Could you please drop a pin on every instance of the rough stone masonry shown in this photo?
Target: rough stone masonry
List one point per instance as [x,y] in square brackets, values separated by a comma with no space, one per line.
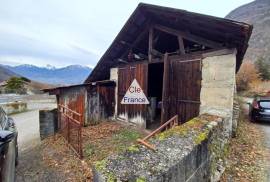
[194,151]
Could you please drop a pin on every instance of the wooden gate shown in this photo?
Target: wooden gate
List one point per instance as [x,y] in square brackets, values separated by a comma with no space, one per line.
[182,89]
[125,77]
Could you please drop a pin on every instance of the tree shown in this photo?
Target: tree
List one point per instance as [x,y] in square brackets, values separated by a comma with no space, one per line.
[263,68]
[15,85]
[247,76]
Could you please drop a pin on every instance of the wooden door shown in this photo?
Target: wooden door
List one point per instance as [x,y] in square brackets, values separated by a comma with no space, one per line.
[184,90]
[126,75]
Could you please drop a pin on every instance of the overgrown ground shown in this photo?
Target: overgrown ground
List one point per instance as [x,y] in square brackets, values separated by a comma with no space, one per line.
[54,161]
[247,154]
[99,141]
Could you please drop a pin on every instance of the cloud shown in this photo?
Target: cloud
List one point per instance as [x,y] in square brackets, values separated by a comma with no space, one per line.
[60,32]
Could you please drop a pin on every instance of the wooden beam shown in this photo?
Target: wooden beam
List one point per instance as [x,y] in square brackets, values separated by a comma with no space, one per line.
[141,35]
[189,36]
[181,44]
[150,44]
[165,89]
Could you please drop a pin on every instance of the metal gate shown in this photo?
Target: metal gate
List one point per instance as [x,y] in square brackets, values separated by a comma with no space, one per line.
[71,128]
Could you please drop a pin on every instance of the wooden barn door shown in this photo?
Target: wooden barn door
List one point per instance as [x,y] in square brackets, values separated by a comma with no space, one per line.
[183,91]
[125,77]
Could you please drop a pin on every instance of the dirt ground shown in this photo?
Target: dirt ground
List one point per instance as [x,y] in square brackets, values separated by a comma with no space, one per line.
[54,161]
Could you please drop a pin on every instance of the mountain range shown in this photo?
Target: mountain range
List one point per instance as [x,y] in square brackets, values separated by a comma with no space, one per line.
[73,74]
[256,13]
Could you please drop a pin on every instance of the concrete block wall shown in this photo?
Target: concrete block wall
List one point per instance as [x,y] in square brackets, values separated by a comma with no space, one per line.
[194,151]
[14,107]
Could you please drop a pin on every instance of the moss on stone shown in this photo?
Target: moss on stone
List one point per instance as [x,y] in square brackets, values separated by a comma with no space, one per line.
[182,130]
[101,165]
[111,177]
[133,148]
[141,179]
[201,137]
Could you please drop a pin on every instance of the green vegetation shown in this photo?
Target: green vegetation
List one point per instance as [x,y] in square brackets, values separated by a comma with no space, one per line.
[133,148]
[181,130]
[124,138]
[15,85]
[101,165]
[201,137]
[263,67]
[141,179]
[89,150]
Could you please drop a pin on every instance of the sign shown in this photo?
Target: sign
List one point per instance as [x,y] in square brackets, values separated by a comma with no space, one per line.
[134,95]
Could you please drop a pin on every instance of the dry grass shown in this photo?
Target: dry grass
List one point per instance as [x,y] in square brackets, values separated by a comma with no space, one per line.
[99,141]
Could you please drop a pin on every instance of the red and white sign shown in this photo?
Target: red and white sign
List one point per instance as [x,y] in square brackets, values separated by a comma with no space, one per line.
[134,95]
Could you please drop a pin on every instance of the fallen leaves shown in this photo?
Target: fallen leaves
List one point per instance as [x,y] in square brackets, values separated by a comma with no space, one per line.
[247,154]
[99,141]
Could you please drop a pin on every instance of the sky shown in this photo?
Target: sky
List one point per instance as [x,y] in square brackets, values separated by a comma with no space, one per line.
[66,32]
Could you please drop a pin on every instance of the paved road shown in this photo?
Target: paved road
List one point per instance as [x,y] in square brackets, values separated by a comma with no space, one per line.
[265,127]
[28,122]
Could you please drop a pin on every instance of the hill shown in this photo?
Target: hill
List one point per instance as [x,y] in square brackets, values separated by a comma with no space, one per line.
[258,14]
[74,74]
[5,74]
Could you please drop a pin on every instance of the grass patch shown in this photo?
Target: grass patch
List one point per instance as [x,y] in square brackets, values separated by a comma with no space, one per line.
[125,137]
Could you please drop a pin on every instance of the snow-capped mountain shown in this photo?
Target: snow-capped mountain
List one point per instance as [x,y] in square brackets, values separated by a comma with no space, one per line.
[73,74]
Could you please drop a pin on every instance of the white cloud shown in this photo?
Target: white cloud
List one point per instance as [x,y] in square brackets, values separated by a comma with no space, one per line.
[61,32]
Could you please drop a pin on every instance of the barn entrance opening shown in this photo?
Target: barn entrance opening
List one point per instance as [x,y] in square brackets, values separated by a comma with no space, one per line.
[155,84]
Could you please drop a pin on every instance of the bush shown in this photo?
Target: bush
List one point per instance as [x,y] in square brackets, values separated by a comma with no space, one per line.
[247,77]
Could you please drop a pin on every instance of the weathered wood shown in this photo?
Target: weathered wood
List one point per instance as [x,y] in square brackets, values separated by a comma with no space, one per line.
[126,75]
[150,44]
[189,36]
[165,91]
[181,45]
[219,52]
[185,88]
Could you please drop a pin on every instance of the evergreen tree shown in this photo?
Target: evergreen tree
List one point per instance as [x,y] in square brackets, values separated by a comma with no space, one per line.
[264,68]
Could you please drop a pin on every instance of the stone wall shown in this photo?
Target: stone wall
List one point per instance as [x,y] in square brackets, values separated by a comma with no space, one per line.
[14,107]
[48,123]
[194,151]
[218,85]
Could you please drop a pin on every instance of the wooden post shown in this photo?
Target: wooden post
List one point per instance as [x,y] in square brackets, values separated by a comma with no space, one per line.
[150,44]
[165,89]
[181,45]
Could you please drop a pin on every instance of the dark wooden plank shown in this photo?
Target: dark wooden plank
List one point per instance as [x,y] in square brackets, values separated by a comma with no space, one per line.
[150,44]
[189,36]
[181,45]
[165,91]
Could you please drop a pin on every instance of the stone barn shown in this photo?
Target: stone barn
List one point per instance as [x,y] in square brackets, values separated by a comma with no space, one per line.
[184,62]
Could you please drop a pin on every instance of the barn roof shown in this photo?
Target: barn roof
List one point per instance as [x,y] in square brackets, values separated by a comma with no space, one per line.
[229,33]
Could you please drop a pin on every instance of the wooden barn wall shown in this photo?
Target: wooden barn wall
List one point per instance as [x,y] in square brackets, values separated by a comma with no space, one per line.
[74,98]
[101,102]
[126,75]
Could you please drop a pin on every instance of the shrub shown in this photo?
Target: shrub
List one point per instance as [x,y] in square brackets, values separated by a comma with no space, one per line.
[247,77]
[263,67]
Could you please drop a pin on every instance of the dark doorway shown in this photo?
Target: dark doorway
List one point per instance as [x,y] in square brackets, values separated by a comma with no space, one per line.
[155,84]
